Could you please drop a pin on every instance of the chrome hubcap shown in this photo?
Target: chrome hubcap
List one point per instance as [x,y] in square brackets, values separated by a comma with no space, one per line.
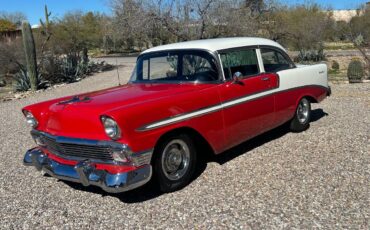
[175,159]
[302,111]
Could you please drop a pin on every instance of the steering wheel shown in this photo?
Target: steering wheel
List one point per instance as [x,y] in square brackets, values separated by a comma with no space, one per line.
[211,72]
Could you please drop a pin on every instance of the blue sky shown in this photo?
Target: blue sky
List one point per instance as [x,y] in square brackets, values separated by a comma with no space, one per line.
[34,9]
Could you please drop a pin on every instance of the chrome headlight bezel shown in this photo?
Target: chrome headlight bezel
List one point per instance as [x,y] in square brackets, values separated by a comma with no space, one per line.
[111,127]
[30,119]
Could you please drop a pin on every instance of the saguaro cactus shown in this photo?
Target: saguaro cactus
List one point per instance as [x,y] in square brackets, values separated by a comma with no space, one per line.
[30,54]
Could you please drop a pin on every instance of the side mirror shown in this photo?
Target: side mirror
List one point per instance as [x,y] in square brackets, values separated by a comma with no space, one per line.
[236,77]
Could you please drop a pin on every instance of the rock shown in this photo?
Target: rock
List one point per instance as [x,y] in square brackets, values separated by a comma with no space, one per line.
[18,95]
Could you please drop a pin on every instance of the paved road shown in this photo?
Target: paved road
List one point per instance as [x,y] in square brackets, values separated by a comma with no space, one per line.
[316,179]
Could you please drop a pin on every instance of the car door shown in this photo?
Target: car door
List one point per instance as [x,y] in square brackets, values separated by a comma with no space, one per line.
[247,107]
[274,61]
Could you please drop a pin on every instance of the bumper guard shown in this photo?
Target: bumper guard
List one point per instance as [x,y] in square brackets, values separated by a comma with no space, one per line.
[85,173]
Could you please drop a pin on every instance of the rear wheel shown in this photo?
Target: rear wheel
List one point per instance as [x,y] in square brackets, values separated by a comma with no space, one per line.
[302,116]
[174,162]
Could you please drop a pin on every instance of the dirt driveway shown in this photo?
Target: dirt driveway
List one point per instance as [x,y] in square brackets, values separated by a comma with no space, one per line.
[318,178]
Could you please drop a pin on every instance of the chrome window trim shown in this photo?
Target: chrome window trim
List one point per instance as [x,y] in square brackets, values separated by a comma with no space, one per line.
[235,49]
[260,61]
[221,77]
[282,52]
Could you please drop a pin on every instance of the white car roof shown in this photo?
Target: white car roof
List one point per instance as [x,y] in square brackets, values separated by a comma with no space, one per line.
[217,44]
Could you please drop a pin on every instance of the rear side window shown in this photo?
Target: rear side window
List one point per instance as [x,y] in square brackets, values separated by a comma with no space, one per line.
[243,61]
[274,60]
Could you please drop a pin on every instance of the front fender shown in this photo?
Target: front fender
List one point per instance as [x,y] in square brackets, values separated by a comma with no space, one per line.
[134,119]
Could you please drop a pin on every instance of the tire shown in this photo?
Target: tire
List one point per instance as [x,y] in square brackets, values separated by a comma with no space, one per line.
[302,116]
[174,162]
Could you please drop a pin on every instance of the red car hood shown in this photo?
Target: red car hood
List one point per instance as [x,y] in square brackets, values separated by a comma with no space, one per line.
[79,116]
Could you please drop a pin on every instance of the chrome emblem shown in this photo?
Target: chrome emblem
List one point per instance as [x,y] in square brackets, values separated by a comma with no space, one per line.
[75,99]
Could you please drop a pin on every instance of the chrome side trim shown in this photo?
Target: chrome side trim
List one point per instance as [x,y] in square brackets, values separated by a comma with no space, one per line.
[206,110]
[85,173]
[215,108]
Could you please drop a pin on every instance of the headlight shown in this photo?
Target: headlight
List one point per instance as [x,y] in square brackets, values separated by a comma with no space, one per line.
[31,120]
[111,128]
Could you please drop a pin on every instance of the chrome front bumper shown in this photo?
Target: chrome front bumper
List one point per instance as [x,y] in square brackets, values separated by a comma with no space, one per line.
[85,173]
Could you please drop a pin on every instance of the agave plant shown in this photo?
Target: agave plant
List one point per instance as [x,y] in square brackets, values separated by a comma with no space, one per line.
[21,80]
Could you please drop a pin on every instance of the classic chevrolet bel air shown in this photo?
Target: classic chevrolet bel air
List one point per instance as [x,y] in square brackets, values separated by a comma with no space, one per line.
[181,97]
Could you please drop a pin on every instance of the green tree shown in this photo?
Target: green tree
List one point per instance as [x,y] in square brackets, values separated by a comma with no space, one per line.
[77,31]
[6,25]
[359,33]
[303,28]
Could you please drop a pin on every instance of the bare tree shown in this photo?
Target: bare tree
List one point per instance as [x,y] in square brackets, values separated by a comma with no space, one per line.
[162,21]
[14,17]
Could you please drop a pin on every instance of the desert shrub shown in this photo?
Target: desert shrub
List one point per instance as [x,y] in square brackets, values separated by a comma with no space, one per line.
[99,66]
[335,65]
[61,69]
[311,56]
[70,68]
[6,25]
[11,56]
[355,70]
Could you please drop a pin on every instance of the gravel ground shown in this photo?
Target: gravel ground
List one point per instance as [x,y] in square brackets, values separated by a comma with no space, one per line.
[316,179]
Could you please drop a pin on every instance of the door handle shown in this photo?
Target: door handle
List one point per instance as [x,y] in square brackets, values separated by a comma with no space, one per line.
[265,79]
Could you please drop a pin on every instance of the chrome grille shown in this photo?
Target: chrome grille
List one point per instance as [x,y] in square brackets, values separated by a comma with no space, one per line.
[95,152]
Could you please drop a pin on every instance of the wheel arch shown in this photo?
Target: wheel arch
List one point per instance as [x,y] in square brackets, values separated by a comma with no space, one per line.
[309,97]
[200,142]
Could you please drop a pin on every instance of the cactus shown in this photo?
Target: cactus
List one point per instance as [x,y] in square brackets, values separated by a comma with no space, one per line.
[47,15]
[46,25]
[30,54]
[355,70]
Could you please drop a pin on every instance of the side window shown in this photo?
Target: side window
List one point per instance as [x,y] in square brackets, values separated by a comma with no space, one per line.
[197,67]
[157,68]
[274,61]
[243,61]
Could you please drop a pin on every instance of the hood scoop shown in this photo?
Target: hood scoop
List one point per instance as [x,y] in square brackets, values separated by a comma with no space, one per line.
[75,99]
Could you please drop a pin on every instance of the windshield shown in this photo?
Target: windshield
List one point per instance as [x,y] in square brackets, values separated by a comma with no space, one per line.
[175,66]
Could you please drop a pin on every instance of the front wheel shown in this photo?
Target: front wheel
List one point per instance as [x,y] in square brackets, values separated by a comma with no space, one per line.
[302,116]
[174,162]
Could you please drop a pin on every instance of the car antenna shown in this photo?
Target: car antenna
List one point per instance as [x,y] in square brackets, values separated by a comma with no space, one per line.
[119,82]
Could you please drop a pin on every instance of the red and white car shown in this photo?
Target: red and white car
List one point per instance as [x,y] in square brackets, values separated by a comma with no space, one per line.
[215,93]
